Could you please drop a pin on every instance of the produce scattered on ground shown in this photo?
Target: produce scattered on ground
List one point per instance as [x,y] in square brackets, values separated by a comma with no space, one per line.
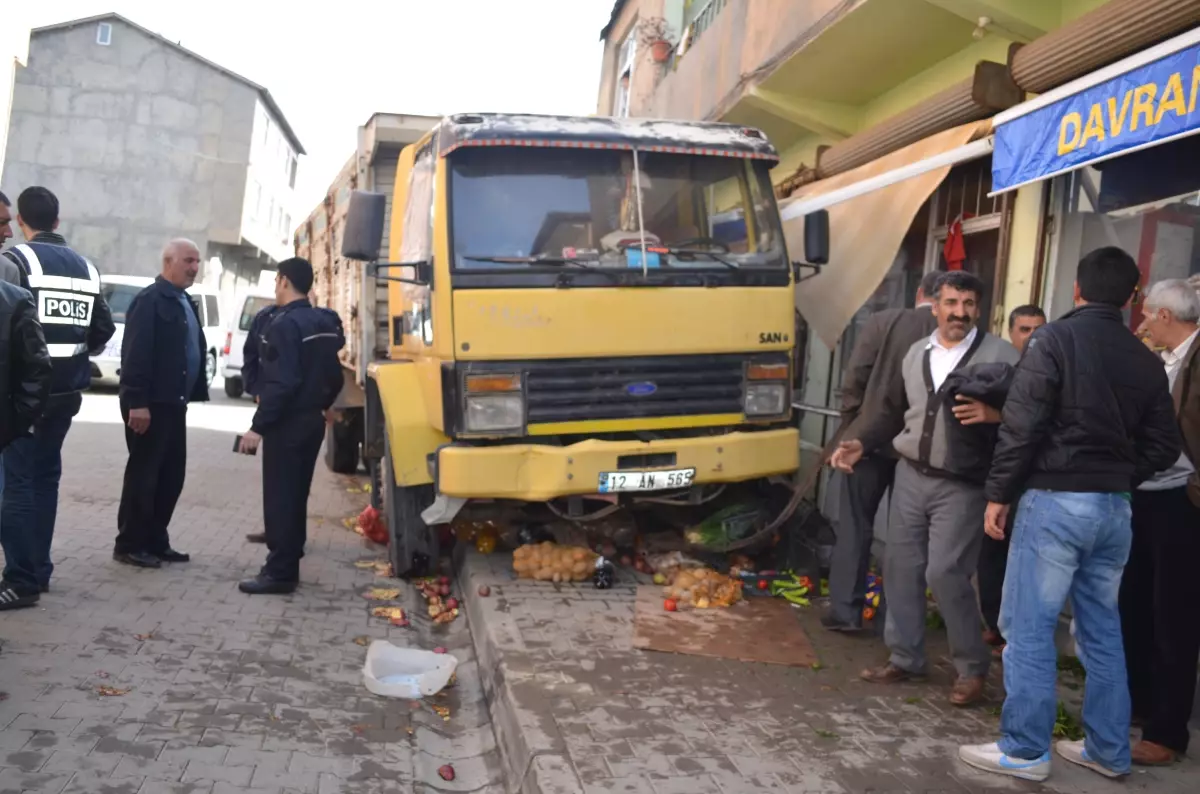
[550,562]
[390,613]
[703,588]
[442,607]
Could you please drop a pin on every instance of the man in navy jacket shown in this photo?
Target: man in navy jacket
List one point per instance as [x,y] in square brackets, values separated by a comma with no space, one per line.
[162,370]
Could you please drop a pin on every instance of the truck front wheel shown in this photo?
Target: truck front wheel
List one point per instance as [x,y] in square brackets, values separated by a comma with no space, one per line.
[412,545]
[342,439]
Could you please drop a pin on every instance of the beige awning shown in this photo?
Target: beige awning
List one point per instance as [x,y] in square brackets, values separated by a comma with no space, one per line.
[866,231]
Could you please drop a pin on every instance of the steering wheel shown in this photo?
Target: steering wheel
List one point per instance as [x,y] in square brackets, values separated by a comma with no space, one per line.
[720,246]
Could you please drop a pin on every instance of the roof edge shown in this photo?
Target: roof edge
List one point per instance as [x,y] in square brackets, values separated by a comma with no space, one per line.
[264,94]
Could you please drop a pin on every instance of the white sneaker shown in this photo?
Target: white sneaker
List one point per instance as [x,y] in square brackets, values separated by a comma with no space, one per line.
[1076,753]
[990,758]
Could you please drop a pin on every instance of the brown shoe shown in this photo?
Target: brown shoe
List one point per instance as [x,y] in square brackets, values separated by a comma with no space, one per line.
[993,638]
[890,674]
[1150,754]
[257,537]
[967,691]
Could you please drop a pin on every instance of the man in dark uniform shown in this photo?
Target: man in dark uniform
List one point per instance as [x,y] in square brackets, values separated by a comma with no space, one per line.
[300,377]
[77,323]
[250,373]
[162,370]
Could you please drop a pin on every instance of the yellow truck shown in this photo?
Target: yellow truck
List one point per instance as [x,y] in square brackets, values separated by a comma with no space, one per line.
[582,314]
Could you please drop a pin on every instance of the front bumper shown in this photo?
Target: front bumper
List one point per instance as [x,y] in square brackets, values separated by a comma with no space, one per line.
[230,372]
[536,473]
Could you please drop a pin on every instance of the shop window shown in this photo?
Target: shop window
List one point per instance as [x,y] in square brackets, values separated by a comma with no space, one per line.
[1146,203]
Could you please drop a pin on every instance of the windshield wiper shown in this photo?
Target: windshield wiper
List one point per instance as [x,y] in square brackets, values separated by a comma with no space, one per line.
[540,259]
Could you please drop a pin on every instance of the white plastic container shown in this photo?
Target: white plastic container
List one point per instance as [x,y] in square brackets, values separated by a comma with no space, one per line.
[406,672]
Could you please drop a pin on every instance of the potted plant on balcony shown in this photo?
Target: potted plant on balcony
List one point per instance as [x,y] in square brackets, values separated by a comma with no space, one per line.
[655,35]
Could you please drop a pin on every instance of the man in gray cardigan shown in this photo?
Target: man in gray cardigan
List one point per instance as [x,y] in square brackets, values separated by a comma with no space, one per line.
[874,369]
[936,522]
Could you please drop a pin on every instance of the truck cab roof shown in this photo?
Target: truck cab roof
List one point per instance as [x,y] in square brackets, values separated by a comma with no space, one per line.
[601,132]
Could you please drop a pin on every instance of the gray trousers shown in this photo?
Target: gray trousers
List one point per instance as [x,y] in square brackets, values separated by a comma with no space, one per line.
[861,493]
[934,536]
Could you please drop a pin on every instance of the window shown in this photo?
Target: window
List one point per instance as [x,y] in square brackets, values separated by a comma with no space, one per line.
[417,245]
[292,172]
[266,129]
[104,34]
[250,308]
[118,297]
[211,310]
[287,224]
[270,214]
[256,207]
[626,58]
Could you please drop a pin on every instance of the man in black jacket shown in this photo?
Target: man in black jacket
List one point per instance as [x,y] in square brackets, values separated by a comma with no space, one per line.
[162,370]
[1089,417]
[300,378]
[25,384]
[874,368]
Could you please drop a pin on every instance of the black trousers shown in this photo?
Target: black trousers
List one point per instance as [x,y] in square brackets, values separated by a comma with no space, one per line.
[154,476]
[1159,622]
[993,562]
[289,457]
[861,494]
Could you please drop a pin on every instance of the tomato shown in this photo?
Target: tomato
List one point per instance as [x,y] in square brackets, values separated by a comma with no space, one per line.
[763,584]
[670,605]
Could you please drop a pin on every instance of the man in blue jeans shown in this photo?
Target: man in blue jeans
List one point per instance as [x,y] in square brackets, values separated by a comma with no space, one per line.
[1089,417]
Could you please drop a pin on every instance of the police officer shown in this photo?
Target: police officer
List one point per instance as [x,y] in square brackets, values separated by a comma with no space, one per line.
[250,370]
[76,322]
[299,378]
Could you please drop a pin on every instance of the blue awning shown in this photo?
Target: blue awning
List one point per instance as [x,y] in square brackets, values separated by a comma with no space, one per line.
[1141,101]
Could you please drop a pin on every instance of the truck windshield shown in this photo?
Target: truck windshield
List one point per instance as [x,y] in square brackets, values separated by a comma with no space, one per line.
[525,204]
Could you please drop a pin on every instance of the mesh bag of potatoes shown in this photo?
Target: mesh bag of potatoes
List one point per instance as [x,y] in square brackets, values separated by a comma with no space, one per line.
[704,588]
[550,562]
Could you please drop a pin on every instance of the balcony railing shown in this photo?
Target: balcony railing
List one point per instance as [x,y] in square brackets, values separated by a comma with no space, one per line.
[699,22]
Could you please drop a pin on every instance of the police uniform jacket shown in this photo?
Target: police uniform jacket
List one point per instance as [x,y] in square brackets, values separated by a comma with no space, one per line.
[299,370]
[75,319]
[154,349]
[254,339]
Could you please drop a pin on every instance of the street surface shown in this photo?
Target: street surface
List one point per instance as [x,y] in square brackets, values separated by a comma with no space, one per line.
[226,693]
[215,692]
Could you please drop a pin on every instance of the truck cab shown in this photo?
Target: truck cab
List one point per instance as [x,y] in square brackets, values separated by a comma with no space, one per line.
[584,314]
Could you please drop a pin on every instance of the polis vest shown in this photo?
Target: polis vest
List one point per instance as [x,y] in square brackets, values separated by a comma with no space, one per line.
[65,287]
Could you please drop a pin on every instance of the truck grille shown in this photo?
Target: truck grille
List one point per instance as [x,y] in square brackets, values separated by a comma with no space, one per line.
[628,388]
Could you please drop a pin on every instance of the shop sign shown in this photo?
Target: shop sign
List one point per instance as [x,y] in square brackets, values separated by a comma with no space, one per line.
[1142,107]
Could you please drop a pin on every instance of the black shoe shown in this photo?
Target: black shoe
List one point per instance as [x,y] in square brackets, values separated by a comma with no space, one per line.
[265,585]
[170,555]
[45,588]
[11,599]
[138,559]
[833,624]
[257,537]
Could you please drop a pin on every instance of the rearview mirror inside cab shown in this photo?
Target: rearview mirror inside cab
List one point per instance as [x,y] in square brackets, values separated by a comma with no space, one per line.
[363,234]
[816,237]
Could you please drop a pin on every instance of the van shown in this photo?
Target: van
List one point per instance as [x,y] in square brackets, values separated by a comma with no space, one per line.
[118,292]
[235,340]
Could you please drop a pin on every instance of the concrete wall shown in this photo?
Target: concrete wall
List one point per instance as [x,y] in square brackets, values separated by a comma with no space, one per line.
[14,49]
[140,141]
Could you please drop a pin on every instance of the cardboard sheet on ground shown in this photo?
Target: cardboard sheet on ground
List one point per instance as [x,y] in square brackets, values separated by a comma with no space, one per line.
[759,630]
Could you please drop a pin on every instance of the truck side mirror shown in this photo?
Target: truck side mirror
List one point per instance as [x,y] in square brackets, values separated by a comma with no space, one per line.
[816,237]
[363,233]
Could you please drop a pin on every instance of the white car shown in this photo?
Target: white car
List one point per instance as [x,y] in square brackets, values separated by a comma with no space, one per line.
[118,292]
[235,340]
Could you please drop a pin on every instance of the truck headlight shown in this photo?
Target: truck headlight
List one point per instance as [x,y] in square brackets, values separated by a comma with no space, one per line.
[487,413]
[766,399]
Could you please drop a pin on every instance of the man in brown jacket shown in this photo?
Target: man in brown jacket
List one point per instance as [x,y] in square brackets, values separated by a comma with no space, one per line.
[874,368]
[1158,621]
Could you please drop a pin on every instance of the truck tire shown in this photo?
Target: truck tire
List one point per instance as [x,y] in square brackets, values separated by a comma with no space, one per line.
[342,439]
[412,545]
[233,387]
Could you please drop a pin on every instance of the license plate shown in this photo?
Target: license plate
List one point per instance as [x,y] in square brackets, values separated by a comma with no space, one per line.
[627,481]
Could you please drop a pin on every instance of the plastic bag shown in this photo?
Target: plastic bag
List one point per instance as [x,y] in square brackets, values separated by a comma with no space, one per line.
[406,672]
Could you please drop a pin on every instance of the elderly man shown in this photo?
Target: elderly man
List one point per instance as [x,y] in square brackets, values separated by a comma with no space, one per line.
[1161,633]
[162,368]
[937,500]
[76,322]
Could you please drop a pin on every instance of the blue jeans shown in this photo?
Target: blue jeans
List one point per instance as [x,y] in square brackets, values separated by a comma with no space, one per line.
[32,470]
[1066,545]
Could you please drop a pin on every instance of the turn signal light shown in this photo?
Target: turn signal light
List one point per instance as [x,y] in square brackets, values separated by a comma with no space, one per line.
[493,383]
[767,371]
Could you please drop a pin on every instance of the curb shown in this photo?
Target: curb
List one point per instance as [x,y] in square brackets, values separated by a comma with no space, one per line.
[533,752]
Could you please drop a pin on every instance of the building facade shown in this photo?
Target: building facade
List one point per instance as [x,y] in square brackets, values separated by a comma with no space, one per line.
[14,49]
[142,141]
[883,112]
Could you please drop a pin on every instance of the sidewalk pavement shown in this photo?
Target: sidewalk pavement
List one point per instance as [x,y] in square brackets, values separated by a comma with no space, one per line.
[226,693]
[577,709]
